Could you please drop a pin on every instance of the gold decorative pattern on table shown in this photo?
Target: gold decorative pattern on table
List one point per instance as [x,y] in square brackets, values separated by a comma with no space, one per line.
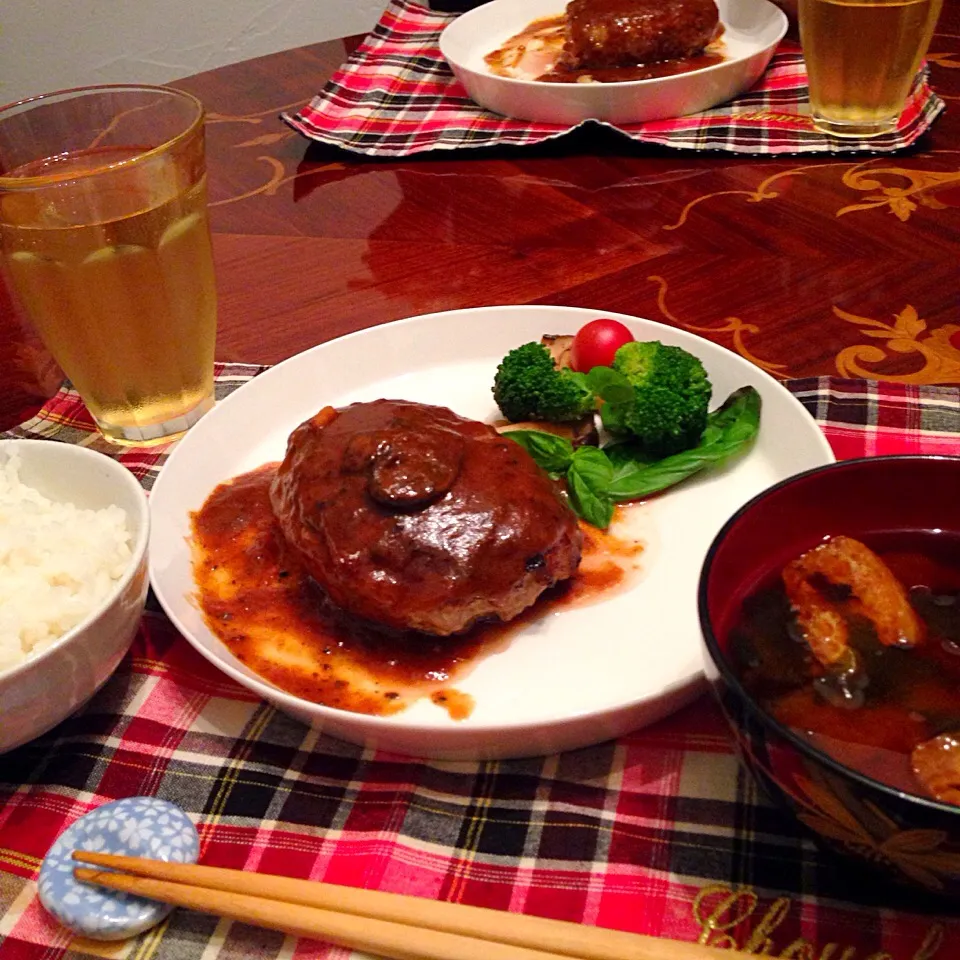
[762,192]
[733,325]
[940,348]
[278,175]
[902,200]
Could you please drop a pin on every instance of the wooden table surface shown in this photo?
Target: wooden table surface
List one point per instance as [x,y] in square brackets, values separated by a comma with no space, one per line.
[805,265]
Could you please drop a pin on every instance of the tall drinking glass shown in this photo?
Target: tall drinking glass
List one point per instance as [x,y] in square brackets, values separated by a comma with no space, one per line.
[862,57]
[105,242]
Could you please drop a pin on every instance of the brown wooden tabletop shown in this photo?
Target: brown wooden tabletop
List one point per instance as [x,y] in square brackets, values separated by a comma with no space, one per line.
[806,265]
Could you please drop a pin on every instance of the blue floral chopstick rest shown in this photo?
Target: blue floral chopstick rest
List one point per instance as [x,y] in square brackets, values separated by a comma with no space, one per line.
[136,827]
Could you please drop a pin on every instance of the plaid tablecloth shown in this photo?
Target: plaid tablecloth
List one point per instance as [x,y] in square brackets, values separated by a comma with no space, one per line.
[397,96]
[660,832]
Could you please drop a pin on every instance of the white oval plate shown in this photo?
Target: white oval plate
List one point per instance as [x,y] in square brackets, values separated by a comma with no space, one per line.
[752,30]
[573,678]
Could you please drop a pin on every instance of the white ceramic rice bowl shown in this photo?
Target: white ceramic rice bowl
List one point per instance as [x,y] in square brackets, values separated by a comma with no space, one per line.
[45,689]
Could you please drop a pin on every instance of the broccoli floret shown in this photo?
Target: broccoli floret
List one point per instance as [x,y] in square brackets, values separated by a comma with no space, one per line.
[671,397]
[529,386]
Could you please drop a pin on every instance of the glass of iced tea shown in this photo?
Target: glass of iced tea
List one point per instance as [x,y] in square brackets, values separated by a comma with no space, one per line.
[105,243]
[862,58]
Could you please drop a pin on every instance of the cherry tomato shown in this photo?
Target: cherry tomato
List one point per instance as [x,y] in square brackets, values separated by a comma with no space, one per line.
[596,342]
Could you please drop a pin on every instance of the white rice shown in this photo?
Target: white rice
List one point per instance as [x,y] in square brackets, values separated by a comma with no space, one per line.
[57,564]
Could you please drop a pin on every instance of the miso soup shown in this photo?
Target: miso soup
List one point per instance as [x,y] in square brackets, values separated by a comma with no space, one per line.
[875,710]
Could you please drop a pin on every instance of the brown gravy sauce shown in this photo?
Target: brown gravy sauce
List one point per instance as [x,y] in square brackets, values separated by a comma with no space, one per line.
[260,602]
[642,71]
[541,42]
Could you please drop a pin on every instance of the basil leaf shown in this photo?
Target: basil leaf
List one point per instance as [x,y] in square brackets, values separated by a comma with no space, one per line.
[610,385]
[594,464]
[711,433]
[596,479]
[646,479]
[588,482]
[730,430]
[625,453]
[580,379]
[587,471]
[738,417]
[551,452]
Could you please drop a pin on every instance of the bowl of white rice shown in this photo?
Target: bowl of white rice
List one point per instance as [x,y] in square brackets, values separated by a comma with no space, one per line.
[74,526]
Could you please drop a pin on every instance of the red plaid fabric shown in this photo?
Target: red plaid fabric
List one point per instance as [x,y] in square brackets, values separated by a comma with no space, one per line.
[867,418]
[396,96]
[660,832]
[65,418]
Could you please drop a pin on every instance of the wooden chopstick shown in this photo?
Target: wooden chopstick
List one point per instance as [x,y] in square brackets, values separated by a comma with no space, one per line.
[388,924]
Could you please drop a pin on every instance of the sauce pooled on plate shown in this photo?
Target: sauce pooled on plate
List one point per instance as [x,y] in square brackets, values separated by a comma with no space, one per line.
[259,601]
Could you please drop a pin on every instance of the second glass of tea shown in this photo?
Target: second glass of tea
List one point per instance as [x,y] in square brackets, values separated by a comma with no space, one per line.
[105,242]
[862,59]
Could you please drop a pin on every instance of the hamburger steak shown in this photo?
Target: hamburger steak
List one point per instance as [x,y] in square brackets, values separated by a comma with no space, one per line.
[621,33]
[412,517]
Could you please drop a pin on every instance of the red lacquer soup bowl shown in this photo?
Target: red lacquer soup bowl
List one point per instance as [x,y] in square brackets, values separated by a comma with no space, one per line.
[859,745]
